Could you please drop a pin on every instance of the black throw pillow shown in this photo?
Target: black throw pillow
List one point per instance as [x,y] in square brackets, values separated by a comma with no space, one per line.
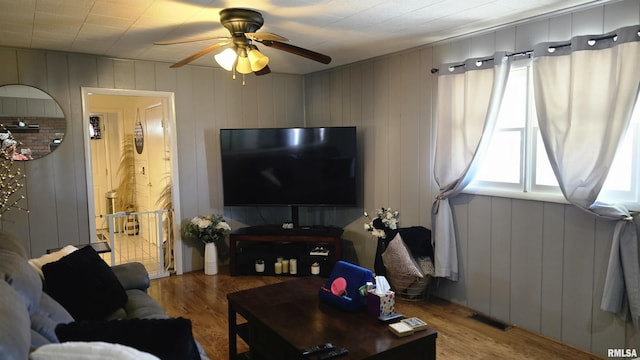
[165,338]
[418,240]
[84,285]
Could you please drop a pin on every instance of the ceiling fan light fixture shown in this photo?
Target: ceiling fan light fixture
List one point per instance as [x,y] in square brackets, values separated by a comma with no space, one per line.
[244,65]
[257,59]
[243,25]
[226,59]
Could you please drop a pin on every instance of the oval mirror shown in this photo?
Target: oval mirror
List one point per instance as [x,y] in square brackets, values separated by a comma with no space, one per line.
[34,120]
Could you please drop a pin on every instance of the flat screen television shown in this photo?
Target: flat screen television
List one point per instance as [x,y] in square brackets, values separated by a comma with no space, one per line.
[289,166]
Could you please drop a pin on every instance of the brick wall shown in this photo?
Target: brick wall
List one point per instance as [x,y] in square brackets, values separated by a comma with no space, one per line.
[38,141]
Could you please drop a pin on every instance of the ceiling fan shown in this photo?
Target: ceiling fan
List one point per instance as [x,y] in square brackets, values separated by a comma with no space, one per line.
[241,54]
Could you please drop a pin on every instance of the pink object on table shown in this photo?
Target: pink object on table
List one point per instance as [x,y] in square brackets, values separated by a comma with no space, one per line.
[339,286]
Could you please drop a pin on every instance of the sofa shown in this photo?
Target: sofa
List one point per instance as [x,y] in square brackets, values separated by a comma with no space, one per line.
[79,299]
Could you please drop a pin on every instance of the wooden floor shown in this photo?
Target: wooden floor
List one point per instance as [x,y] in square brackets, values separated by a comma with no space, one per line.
[202,299]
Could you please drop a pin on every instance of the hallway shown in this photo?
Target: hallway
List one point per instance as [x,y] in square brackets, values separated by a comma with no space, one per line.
[132,178]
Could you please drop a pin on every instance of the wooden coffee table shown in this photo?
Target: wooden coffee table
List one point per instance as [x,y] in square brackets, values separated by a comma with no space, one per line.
[283,318]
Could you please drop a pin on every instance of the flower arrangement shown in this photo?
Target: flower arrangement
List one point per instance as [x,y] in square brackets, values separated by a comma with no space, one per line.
[208,228]
[386,218]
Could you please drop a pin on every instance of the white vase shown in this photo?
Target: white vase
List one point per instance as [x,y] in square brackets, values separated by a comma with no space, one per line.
[210,259]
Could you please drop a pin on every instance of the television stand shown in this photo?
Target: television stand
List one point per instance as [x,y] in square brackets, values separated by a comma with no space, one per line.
[246,245]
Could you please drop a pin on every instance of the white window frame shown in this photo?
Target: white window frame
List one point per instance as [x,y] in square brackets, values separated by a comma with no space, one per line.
[527,189]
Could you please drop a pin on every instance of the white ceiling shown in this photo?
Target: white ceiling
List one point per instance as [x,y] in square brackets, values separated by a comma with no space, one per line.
[346,30]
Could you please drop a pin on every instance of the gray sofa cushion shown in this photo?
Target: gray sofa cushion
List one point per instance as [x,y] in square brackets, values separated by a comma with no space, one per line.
[15,335]
[132,275]
[139,306]
[50,308]
[117,315]
[38,339]
[44,326]
[142,306]
[12,244]
[16,271]
[47,316]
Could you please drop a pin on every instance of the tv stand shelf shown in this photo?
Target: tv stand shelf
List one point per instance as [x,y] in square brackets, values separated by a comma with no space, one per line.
[267,242]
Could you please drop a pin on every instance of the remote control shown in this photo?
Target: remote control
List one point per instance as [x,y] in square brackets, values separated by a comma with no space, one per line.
[333,354]
[317,349]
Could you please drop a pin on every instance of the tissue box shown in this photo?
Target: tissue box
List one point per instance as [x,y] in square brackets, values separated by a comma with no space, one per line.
[381,304]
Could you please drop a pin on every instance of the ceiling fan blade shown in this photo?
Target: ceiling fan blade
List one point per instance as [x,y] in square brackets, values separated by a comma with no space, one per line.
[264,71]
[200,53]
[189,40]
[265,36]
[297,51]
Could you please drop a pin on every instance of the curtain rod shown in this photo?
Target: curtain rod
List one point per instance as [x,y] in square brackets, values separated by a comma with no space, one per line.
[529,52]
[520,53]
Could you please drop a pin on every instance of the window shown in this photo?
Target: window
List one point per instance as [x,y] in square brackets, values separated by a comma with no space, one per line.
[516,164]
[623,182]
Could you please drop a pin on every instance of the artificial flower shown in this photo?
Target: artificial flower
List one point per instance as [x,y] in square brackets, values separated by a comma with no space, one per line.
[208,228]
[386,218]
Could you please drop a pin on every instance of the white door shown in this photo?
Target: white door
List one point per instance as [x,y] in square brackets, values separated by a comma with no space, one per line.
[153,169]
[159,164]
[100,169]
[103,153]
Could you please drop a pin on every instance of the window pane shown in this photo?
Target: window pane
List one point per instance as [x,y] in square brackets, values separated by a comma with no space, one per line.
[502,161]
[544,173]
[513,110]
[622,182]
[619,177]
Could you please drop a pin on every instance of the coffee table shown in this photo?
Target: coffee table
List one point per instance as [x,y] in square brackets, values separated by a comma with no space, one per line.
[281,319]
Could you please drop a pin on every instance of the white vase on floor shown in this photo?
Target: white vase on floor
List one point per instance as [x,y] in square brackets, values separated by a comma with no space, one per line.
[210,259]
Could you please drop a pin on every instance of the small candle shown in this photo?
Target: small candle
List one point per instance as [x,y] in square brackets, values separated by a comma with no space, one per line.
[285,266]
[315,269]
[278,268]
[293,266]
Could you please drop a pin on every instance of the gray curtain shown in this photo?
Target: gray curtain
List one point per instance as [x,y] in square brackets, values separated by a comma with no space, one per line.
[469,97]
[585,92]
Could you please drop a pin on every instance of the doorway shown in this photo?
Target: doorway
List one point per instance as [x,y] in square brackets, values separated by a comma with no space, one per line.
[131,169]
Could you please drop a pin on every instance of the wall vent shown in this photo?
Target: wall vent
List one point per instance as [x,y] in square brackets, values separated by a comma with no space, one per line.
[491,322]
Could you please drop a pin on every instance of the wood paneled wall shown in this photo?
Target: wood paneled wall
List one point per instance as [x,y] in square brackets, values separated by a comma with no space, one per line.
[539,265]
[206,100]
[536,264]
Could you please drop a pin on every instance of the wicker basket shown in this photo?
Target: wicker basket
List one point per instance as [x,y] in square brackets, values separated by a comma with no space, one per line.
[411,287]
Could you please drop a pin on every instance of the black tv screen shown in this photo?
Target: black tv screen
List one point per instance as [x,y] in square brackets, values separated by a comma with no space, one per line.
[289,166]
